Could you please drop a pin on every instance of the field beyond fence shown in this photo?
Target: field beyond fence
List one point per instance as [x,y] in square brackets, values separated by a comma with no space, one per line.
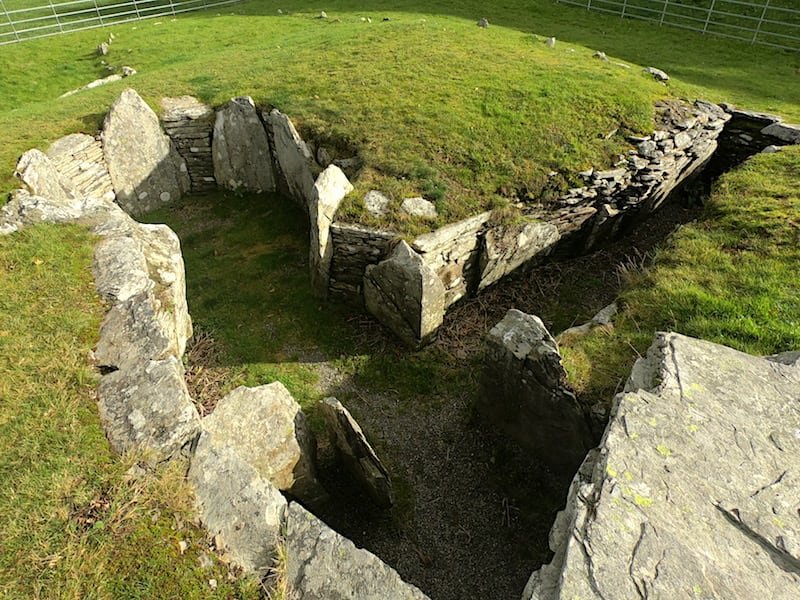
[27,20]
[773,23]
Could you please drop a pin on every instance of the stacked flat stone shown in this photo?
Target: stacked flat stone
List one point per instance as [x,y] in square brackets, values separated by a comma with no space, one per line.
[79,158]
[189,124]
[355,248]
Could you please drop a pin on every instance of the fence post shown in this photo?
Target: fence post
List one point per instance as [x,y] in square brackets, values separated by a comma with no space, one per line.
[172,6]
[663,13]
[55,14]
[10,22]
[708,16]
[136,8]
[760,21]
[589,5]
[624,7]
[97,10]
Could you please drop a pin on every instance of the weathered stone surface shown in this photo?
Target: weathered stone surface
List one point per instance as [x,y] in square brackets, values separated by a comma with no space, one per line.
[356,452]
[601,319]
[147,407]
[267,430]
[24,209]
[354,248]
[190,124]
[508,247]
[145,168]
[323,565]
[784,132]
[79,159]
[524,395]
[376,203]
[240,147]
[695,490]
[293,157]
[405,295]
[240,509]
[120,269]
[41,178]
[657,74]
[329,190]
[419,207]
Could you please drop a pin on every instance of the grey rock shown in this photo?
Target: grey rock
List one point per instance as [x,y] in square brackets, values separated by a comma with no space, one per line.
[323,565]
[323,157]
[694,491]
[240,148]
[93,84]
[648,149]
[41,178]
[293,157]
[784,132]
[266,428]
[128,71]
[550,42]
[523,394]
[376,203]
[145,168]
[356,452]
[419,207]
[657,74]
[120,269]
[791,358]
[508,247]
[323,15]
[102,49]
[772,149]
[23,209]
[682,140]
[241,510]
[148,408]
[349,164]
[329,190]
[601,55]
[483,23]
[602,319]
[405,295]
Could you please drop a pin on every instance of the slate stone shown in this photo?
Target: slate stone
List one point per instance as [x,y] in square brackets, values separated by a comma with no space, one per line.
[293,157]
[376,203]
[330,188]
[508,247]
[79,159]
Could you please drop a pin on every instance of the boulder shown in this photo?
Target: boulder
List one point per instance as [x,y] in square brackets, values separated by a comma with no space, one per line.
[266,429]
[120,269]
[789,134]
[329,190]
[147,408]
[145,168]
[419,207]
[79,159]
[356,452]
[405,295]
[657,74]
[523,394]
[694,491]
[323,565]
[240,148]
[41,178]
[376,203]
[508,247]
[241,510]
[293,157]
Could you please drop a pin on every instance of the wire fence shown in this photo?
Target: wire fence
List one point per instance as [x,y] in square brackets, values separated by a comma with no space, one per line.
[19,22]
[773,23]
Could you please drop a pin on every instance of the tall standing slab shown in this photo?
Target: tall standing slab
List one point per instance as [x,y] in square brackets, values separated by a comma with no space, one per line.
[146,170]
[330,189]
[294,158]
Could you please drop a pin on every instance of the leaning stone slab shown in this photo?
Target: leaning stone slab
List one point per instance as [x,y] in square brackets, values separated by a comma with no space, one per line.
[145,168]
[293,156]
[405,295]
[242,511]
[79,159]
[508,247]
[329,190]
[240,148]
[323,565]
[265,427]
[356,452]
[41,178]
[695,489]
[147,407]
[524,395]
[24,209]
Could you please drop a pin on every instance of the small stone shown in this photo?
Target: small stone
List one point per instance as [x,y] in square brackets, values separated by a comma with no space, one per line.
[376,203]
[128,71]
[212,583]
[369,19]
[183,546]
[419,207]
[102,49]
[483,23]
[280,12]
[647,149]
[550,42]
[657,74]
[771,149]
[323,157]
[601,55]
[323,15]
[385,19]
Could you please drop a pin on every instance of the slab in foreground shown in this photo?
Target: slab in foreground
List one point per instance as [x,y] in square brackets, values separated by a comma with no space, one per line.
[695,490]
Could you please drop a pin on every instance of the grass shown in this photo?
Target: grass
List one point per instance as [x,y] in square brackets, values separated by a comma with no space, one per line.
[477,118]
[74,525]
[730,278]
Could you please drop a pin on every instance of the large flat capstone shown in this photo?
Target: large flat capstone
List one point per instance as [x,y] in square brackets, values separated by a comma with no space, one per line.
[695,490]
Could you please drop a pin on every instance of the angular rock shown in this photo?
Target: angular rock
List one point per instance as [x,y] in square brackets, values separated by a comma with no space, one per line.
[41,178]
[329,190]
[79,159]
[376,203]
[240,148]
[145,168]
[524,395]
[266,429]
[508,247]
[148,408]
[356,452]
[601,319]
[419,207]
[24,209]
[323,565]
[293,157]
[694,491]
[657,74]
[241,510]
[550,42]
[323,157]
[789,134]
[405,295]
[483,23]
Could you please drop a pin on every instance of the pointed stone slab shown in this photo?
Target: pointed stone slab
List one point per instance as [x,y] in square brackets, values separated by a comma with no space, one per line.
[356,452]
[293,157]
[329,190]
[41,178]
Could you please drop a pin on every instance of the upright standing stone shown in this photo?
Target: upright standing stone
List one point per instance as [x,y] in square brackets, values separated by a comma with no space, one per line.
[240,147]
[294,158]
[145,168]
[329,190]
[406,295]
[41,178]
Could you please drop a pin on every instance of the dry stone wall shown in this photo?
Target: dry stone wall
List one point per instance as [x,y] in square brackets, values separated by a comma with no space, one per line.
[189,124]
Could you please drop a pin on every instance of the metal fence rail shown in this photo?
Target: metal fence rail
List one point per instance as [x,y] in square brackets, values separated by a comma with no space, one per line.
[29,23]
[773,23]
